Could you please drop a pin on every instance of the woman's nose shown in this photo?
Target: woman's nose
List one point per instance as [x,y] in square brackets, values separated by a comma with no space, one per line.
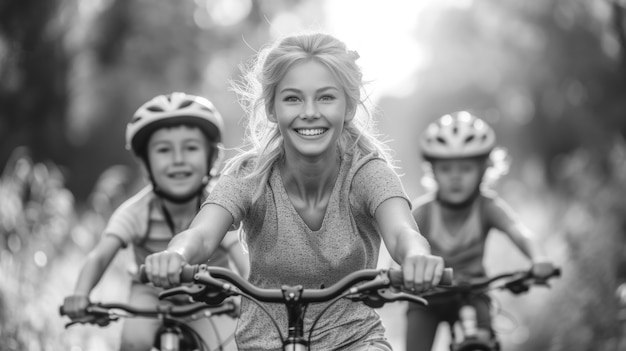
[310,111]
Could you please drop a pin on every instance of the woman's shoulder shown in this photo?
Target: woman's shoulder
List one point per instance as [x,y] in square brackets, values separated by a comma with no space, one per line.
[368,164]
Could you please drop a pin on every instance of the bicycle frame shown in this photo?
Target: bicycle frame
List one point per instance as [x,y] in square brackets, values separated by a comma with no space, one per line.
[172,333]
[220,283]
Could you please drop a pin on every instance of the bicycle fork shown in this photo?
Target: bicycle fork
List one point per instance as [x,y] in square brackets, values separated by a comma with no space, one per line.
[169,339]
[469,339]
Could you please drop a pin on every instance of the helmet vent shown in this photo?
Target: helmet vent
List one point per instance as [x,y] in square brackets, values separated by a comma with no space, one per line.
[441,140]
[135,120]
[186,103]
[154,109]
[455,130]
[469,139]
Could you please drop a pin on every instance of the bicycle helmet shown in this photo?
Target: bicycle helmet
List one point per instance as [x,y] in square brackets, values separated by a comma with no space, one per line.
[173,110]
[170,110]
[457,135]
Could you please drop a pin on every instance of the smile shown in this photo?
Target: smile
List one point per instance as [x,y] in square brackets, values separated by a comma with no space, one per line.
[311,131]
[179,175]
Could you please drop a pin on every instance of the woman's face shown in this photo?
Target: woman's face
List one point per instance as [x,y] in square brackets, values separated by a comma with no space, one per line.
[178,159]
[310,110]
[457,179]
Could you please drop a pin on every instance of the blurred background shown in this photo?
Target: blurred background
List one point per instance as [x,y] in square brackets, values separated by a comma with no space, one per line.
[548,75]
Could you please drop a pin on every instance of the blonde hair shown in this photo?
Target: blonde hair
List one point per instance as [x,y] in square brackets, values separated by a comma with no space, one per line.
[263,143]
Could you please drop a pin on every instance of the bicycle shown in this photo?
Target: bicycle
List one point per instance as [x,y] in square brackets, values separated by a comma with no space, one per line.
[173,334]
[214,284]
[463,332]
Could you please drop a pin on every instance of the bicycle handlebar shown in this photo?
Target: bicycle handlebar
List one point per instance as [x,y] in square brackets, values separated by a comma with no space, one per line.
[102,313]
[229,281]
[516,282]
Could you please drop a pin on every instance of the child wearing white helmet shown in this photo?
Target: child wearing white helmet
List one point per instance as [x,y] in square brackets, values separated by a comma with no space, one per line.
[457,217]
[177,137]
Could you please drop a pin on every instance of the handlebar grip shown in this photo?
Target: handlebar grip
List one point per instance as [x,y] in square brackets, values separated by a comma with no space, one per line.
[447,278]
[186,274]
[395,275]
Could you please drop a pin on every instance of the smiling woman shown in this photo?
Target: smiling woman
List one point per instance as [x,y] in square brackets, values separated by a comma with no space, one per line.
[306,93]
[312,181]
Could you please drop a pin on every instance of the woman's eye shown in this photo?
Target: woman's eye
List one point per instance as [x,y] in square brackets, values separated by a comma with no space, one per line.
[327,97]
[162,150]
[291,98]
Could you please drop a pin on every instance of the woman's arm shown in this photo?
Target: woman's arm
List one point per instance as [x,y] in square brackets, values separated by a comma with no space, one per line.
[236,254]
[192,246]
[407,246]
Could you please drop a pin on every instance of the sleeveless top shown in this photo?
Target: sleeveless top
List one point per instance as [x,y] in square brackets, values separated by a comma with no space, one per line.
[463,251]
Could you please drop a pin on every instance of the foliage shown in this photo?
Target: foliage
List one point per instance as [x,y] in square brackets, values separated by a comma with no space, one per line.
[43,235]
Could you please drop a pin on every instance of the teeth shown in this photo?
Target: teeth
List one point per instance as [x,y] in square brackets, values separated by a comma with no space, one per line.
[311,132]
[179,175]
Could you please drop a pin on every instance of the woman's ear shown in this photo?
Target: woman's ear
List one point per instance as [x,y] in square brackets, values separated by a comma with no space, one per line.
[350,113]
[271,116]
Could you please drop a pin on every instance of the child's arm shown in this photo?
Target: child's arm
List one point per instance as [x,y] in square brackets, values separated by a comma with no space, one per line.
[97,262]
[407,246]
[504,219]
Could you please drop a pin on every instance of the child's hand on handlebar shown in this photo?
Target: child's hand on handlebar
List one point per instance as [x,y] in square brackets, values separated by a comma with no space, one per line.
[542,268]
[422,272]
[163,268]
[75,306]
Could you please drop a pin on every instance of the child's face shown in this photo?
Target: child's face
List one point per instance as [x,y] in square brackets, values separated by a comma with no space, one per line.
[310,109]
[457,179]
[178,159]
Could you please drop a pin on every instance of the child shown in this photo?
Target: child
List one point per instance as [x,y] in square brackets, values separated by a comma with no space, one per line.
[314,182]
[458,216]
[177,138]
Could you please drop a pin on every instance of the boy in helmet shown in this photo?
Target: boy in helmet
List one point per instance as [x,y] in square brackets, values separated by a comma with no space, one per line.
[177,139]
[457,217]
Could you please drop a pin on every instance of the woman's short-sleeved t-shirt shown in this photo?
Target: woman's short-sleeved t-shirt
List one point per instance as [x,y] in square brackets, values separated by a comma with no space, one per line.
[284,250]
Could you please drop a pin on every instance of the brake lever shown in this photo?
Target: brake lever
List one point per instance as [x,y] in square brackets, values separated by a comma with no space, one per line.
[378,298]
[102,320]
[199,293]
[181,290]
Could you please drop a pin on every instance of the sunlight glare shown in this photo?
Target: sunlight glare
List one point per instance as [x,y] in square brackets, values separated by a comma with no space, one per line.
[382,34]
[385,33]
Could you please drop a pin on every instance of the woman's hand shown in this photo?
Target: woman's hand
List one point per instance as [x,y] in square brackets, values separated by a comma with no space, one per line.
[422,271]
[163,268]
